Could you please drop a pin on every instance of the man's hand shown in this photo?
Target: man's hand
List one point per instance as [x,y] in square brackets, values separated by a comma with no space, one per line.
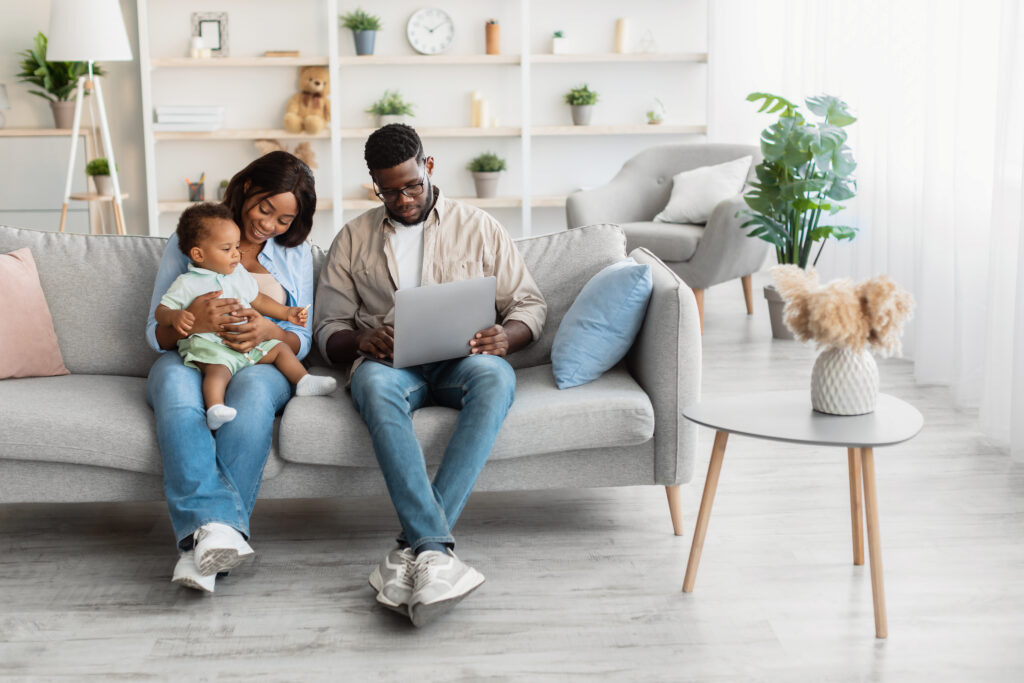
[182,322]
[491,342]
[377,341]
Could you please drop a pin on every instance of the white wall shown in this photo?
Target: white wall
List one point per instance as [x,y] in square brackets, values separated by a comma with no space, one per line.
[21,21]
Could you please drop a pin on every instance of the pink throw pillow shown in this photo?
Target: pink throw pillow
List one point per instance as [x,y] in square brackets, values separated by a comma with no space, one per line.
[28,343]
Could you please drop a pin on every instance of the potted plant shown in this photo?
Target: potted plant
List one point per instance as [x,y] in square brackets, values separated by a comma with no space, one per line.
[582,101]
[390,108]
[364,28]
[99,170]
[222,189]
[559,43]
[57,80]
[656,115]
[486,169]
[807,169]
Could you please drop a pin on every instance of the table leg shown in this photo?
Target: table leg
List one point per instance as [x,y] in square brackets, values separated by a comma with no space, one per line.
[856,506]
[710,485]
[867,462]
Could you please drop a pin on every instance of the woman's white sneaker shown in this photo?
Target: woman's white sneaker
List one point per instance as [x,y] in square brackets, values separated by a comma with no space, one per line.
[186,573]
[219,548]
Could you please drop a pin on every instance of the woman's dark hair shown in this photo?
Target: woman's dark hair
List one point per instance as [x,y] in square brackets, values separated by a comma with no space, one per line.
[273,174]
[194,223]
[392,145]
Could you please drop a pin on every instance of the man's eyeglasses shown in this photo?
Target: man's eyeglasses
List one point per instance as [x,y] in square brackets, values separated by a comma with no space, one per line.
[414,190]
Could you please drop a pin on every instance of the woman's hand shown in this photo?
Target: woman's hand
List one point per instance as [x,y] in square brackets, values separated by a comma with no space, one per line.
[211,314]
[256,330]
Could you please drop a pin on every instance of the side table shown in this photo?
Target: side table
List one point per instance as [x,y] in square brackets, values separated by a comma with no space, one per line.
[788,416]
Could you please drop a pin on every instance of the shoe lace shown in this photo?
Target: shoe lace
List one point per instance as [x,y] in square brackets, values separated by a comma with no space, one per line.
[409,567]
[424,564]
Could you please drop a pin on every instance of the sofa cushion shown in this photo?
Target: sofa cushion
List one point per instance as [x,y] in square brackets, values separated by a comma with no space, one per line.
[608,412]
[561,263]
[28,344]
[601,324]
[96,420]
[671,242]
[98,288]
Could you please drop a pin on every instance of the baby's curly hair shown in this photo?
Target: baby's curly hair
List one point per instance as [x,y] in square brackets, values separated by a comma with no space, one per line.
[192,226]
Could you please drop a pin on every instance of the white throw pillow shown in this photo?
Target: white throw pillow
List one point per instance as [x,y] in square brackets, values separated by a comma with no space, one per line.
[696,193]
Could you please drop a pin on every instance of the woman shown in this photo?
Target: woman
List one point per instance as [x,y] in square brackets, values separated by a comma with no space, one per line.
[211,479]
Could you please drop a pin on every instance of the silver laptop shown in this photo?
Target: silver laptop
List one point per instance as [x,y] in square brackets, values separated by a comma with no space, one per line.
[436,322]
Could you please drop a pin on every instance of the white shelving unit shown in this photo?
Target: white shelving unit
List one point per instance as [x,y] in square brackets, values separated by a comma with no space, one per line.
[342,137]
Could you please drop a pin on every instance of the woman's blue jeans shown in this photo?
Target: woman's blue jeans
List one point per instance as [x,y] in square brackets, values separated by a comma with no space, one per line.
[213,477]
[480,387]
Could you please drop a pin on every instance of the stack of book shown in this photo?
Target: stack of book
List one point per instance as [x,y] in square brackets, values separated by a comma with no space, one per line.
[188,118]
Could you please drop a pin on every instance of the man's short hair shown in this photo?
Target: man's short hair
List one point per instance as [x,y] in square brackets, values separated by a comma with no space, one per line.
[392,145]
[194,223]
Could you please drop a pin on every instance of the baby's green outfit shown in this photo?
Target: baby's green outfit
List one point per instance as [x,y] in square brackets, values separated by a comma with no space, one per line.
[207,347]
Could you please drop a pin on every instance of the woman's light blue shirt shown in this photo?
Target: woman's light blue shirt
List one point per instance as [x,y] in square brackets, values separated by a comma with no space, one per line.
[290,266]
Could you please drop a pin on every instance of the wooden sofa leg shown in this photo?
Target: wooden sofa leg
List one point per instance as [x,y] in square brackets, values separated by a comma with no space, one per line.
[698,294]
[675,507]
[748,292]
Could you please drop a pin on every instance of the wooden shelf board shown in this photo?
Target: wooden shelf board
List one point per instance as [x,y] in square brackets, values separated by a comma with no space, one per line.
[641,129]
[179,205]
[408,60]
[696,57]
[547,201]
[216,62]
[40,132]
[448,132]
[356,204]
[95,196]
[237,134]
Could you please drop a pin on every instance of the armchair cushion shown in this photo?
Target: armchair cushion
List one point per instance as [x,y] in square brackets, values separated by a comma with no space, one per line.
[601,324]
[695,193]
[671,242]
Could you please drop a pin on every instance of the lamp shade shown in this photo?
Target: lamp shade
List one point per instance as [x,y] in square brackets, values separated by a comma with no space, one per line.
[4,102]
[87,31]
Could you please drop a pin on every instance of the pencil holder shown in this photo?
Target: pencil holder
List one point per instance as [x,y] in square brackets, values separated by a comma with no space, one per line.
[197,192]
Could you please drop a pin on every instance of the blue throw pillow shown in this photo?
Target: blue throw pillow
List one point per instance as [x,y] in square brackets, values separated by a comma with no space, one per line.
[601,324]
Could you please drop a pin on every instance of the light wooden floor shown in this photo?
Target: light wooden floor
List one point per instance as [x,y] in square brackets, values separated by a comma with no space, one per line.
[581,585]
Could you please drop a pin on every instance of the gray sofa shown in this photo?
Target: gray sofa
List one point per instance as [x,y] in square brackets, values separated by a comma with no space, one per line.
[702,255]
[90,435]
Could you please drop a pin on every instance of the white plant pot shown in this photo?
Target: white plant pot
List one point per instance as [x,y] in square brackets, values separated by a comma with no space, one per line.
[844,382]
[581,114]
[560,46]
[385,119]
[104,185]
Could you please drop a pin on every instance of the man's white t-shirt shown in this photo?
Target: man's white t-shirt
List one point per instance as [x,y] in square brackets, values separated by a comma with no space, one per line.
[407,242]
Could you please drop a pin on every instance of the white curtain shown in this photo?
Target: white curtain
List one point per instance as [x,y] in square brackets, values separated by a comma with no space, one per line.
[937,87]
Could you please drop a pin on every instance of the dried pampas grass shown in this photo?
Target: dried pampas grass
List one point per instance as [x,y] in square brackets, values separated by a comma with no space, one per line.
[843,314]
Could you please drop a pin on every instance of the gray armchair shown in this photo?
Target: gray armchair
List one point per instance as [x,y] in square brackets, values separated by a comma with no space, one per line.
[702,255]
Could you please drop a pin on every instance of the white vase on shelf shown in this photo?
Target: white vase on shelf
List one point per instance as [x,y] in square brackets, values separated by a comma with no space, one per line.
[844,382]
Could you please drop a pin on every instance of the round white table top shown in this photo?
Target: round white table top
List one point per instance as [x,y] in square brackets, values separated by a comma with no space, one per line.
[788,416]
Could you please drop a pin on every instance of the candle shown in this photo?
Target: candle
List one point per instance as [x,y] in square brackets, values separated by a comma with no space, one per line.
[474,109]
[621,31]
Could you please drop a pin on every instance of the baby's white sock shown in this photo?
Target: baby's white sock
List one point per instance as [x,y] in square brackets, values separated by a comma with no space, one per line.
[315,385]
[219,415]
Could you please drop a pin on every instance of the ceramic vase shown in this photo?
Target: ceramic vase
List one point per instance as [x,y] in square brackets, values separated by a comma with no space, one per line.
[104,185]
[63,113]
[776,304]
[385,119]
[581,114]
[844,382]
[486,183]
[364,42]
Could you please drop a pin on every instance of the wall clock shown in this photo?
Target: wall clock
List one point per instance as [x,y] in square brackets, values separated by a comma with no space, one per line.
[430,30]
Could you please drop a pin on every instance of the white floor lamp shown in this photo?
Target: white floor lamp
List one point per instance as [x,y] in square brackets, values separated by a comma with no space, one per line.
[89,31]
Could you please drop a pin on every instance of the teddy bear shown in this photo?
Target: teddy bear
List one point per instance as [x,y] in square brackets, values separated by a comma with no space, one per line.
[309,109]
[303,150]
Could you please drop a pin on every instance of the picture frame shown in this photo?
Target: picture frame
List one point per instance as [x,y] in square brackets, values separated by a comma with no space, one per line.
[212,28]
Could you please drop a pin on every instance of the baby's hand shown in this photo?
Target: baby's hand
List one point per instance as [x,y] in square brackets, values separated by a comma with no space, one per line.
[297,315]
[183,322]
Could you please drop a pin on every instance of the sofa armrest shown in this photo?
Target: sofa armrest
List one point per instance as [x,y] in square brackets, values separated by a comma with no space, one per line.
[619,201]
[666,361]
[725,252]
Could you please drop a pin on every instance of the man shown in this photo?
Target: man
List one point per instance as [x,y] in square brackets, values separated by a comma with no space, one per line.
[419,237]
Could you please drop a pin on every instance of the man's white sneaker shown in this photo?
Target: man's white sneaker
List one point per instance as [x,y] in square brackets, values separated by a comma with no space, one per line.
[186,573]
[392,579]
[440,581]
[219,548]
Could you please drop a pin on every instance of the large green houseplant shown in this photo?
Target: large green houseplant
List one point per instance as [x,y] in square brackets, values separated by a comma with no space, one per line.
[806,171]
[56,80]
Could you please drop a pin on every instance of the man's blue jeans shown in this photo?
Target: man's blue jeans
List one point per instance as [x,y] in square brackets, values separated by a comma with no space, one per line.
[480,387]
[213,477]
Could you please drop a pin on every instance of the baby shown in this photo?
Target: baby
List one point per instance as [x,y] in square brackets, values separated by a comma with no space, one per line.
[209,237]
